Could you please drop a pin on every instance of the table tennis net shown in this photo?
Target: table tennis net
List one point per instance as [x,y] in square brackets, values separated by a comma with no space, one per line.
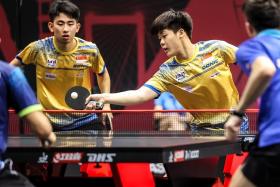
[143,123]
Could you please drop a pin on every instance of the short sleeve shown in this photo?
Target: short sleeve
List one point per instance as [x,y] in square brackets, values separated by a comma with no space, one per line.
[28,54]
[21,95]
[228,51]
[247,53]
[157,83]
[98,63]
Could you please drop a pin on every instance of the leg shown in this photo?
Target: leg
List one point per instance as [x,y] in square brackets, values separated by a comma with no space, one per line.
[240,180]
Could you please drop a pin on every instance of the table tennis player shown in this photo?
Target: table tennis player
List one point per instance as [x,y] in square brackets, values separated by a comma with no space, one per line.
[259,58]
[198,75]
[16,93]
[64,61]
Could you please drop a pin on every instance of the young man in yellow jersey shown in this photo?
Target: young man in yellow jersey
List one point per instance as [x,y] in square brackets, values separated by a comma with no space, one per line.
[62,62]
[198,75]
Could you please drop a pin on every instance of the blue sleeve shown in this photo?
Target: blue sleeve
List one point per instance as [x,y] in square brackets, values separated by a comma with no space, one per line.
[21,96]
[158,101]
[247,54]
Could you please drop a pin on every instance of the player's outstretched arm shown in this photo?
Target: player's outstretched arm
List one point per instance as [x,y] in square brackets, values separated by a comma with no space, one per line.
[41,126]
[130,97]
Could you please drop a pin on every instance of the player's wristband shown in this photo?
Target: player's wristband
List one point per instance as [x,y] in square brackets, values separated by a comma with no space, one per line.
[238,114]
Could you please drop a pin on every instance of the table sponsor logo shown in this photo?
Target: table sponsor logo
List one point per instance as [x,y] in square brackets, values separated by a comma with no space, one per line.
[182,155]
[43,158]
[67,157]
[179,156]
[101,157]
[171,157]
[191,154]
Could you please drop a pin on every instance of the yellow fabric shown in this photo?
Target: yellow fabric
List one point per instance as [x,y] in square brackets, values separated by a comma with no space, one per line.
[58,71]
[202,82]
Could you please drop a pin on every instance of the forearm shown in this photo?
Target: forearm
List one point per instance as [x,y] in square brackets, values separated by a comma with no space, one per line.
[122,98]
[104,82]
[257,83]
[125,98]
[40,124]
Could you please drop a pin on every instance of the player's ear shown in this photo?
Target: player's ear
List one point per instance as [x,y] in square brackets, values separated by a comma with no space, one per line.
[181,32]
[50,25]
[249,29]
[78,27]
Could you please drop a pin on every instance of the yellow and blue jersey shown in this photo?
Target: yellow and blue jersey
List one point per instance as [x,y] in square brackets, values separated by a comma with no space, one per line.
[58,71]
[204,81]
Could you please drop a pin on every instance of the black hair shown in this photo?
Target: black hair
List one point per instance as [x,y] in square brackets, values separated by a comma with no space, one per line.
[66,7]
[173,20]
[262,14]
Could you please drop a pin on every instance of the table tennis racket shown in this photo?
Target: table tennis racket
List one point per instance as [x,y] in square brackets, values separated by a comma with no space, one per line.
[76,96]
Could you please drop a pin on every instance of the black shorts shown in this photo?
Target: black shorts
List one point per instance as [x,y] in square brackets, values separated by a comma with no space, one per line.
[262,166]
[12,178]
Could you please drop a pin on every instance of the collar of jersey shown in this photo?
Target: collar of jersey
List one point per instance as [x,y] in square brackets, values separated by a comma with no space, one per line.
[270,32]
[191,58]
[65,52]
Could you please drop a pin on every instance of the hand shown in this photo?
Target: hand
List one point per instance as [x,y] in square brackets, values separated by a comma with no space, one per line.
[94,101]
[106,115]
[232,127]
[50,140]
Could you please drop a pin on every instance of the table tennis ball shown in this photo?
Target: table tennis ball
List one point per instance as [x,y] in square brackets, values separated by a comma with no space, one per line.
[74,95]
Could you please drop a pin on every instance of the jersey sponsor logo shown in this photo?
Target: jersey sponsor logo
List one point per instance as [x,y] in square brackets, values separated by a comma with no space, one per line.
[81,58]
[101,157]
[51,62]
[82,61]
[211,63]
[43,158]
[180,76]
[50,76]
[188,89]
[214,74]
[67,157]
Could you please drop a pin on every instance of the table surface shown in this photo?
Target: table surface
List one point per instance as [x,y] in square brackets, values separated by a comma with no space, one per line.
[112,147]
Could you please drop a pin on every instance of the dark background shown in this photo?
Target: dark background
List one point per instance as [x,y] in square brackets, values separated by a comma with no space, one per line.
[121,30]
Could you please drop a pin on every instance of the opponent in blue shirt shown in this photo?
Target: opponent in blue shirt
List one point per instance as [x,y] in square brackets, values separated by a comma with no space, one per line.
[260,58]
[15,92]
[170,121]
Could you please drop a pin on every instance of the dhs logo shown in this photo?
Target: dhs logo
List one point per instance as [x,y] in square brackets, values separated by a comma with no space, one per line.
[51,62]
[43,158]
[101,157]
